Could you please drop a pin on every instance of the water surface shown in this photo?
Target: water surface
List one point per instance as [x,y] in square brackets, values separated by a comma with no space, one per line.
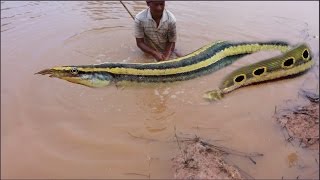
[54,129]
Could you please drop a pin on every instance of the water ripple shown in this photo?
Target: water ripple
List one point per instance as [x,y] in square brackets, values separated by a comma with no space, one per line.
[99,29]
[102,10]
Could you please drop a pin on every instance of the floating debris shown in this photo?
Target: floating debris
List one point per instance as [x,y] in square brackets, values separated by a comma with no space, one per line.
[302,122]
[201,160]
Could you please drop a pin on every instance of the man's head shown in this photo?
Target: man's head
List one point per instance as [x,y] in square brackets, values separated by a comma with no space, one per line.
[156,8]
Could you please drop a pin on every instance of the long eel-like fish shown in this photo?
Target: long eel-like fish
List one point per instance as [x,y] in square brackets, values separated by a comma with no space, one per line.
[294,62]
[203,61]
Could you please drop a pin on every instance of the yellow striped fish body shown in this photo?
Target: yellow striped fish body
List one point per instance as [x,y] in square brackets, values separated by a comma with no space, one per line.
[203,61]
[295,61]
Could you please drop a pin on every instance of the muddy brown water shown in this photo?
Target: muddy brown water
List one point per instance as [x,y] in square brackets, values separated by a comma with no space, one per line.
[54,129]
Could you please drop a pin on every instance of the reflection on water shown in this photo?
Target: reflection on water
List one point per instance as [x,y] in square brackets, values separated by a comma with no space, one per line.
[54,129]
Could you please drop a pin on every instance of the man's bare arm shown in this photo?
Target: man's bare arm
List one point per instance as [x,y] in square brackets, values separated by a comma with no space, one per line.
[169,49]
[145,48]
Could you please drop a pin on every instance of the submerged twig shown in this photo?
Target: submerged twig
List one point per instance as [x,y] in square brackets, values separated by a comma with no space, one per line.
[199,127]
[139,137]
[138,174]
[83,53]
[221,149]
[233,152]
[313,97]
[175,135]
[254,162]
[202,159]
[247,175]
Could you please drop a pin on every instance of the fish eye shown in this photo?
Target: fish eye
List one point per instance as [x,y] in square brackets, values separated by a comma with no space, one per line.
[305,54]
[74,70]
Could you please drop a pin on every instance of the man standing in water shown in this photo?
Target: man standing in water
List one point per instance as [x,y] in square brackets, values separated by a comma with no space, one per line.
[155,30]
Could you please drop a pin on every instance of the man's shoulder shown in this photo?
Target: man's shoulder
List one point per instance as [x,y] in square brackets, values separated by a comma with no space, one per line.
[171,17]
[142,15]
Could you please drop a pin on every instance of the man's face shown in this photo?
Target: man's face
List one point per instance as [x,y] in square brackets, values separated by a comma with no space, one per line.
[156,7]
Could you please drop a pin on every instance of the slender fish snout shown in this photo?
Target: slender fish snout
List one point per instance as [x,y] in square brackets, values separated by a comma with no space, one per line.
[45,71]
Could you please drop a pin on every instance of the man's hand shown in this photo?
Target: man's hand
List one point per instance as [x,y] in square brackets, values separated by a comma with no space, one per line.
[166,57]
[159,56]
[156,54]
[169,49]
[145,48]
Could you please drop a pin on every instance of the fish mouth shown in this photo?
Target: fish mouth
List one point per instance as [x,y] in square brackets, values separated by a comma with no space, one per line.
[45,71]
[68,74]
[51,73]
